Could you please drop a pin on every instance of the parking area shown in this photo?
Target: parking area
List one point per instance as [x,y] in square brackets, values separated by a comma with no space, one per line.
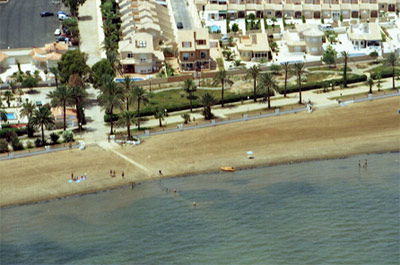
[21,25]
[182,14]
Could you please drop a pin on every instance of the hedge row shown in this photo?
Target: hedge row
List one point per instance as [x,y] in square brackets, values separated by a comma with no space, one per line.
[351,78]
[19,131]
[151,109]
[387,72]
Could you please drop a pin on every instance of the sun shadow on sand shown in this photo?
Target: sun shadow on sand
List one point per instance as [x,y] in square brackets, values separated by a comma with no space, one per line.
[85,18]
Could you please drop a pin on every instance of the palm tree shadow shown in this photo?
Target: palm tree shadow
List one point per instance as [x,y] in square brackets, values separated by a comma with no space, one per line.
[85,18]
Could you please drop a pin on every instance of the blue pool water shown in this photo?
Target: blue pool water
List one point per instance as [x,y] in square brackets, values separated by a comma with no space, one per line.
[11,116]
[321,212]
[120,80]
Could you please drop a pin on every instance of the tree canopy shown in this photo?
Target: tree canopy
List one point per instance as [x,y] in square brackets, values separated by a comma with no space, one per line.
[329,56]
[73,62]
[73,6]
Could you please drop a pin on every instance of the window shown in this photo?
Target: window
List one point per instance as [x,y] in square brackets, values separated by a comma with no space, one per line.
[186,44]
[203,55]
[201,42]
[130,55]
[185,56]
[141,44]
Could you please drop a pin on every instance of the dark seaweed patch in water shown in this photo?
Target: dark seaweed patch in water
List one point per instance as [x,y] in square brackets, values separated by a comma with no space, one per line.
[291,189]
[239,182]
[41,252]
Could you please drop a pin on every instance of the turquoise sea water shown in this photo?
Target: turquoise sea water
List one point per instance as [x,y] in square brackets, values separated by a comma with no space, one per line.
[320,212]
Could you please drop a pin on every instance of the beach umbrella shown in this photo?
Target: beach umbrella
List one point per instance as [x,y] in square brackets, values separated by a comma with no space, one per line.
[250,154]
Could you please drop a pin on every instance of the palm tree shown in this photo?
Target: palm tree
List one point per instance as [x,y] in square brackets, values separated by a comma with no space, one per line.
[55,72]
[190,87]
[298,69]
[127,118]
[370,83]
[9,96]
[141,97]
[392,60]
[60,98]
[159,114]
[129,95]
[110,98]
[207,100]
[266,83]
[42,117]
[78,94]
[286,67]
[221,77]
[3,113]
[346,57]
[27,111]
[252,73]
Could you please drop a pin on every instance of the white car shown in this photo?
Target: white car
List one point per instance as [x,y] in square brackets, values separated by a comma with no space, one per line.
[57,32]
[62,16]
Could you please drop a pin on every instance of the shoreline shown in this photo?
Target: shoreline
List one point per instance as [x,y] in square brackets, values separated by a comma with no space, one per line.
[332,133]
[194,173]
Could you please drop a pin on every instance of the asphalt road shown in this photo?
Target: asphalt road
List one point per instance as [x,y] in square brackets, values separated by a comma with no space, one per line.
[21,25]
[181,13]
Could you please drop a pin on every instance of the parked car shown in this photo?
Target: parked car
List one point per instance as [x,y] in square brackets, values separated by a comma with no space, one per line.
[179,25]
[46,14]
[61,38]
[62,12]
[57,32]
[62,16]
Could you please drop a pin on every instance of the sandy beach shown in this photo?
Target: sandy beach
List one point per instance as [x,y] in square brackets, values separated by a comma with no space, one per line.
[326,133]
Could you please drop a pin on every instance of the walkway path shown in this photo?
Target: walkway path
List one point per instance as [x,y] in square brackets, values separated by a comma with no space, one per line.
[112,146]
[91,38]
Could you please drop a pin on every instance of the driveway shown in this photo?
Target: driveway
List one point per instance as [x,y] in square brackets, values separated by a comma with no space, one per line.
[182,13]
[21,25]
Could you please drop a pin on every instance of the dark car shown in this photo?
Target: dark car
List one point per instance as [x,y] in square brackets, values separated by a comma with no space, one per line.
[61,38]
[46,14]
[179,25]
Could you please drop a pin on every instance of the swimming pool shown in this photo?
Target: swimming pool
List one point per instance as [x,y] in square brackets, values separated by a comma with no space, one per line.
[120,80]
[11,116]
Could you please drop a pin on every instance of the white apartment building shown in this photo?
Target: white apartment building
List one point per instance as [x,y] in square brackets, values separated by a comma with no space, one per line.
[364,9]
[146,26]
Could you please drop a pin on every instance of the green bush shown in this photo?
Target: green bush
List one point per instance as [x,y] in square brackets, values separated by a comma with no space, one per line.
[29,144]
[351,78]
[6,131]
[68,136]
[54,138]
[16,144]
[385,72]
[3,146]
[39,143]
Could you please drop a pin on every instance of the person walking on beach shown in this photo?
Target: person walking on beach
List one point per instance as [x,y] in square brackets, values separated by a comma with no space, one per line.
[123,174]
[366,163]
[160,172]
[110,172]
[72,176]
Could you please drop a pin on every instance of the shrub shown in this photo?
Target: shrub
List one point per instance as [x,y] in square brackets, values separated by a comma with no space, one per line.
[68,136]
[386,72]
[29,81]
[275,68]
[6,131]
[54,138]
[3,146]
[29,144]
[38,142]
[352,78]
[16,144]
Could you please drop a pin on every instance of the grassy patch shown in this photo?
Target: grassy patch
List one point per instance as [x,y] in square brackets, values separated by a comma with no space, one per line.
[327,68]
